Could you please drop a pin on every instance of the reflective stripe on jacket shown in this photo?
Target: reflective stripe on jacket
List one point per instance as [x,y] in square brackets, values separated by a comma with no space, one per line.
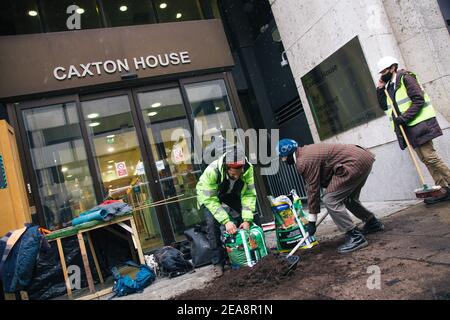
[404,102]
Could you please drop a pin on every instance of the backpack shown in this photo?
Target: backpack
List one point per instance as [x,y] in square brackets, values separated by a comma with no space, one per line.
[171,262]
[124,285]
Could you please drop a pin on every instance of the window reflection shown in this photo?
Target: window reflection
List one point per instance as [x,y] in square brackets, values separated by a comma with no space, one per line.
[178,10]
[119,160]
[35,16]
[57,18]
[19,17]
[60,163]
[126,13]
[170,138]
[211,109]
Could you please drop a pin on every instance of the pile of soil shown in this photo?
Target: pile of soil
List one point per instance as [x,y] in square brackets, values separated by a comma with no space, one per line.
[412,257]
[270,272]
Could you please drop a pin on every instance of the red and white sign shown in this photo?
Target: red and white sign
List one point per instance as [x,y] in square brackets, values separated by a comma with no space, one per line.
[121,169]
[178,155]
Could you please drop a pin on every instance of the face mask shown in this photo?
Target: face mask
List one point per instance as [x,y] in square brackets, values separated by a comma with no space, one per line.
[386,77]
[290,159]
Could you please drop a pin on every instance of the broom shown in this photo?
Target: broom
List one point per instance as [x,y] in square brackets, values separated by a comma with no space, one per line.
[425,191]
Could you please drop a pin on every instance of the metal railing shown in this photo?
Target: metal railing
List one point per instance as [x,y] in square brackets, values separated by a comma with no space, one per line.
[281,182]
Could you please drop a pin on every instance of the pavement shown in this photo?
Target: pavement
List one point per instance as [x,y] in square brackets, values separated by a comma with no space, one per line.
[164,288]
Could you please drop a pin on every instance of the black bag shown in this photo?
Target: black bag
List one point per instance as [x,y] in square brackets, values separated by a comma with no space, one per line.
[171,262]
[201,252]
[185,248]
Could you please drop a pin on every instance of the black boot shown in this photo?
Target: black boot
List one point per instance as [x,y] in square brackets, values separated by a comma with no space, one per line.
[371,226]
[354,240]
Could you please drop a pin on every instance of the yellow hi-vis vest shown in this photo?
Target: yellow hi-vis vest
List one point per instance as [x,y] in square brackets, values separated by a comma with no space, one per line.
[404,102]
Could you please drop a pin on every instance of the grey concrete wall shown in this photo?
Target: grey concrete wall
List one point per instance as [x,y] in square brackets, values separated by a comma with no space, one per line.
[312,30]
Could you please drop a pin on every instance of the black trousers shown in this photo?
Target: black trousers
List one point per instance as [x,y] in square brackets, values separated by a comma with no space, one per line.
[214,232]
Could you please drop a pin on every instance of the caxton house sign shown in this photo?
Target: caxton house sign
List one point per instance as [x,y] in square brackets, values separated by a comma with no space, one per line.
[92,69]
[86,58]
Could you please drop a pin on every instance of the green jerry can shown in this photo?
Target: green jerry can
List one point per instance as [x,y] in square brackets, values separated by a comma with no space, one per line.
[290,221]
[246,247]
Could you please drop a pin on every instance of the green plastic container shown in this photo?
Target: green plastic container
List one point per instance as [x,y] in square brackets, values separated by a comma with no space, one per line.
[246,247]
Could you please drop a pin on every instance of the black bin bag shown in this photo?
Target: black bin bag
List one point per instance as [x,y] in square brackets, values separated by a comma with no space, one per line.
[48,280]
[201,252]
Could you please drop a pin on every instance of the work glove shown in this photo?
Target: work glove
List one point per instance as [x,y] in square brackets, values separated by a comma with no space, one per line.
[311,228]
[400,120]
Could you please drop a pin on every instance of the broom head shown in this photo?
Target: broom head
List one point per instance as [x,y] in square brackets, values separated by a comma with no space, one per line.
[427,192]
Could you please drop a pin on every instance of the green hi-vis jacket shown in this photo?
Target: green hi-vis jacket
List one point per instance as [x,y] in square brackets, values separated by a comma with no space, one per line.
[209,185]
[404,102]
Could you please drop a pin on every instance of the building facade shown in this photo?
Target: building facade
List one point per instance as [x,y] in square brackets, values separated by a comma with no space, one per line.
[96,90]
[108,97]
[333,47]
[96,109]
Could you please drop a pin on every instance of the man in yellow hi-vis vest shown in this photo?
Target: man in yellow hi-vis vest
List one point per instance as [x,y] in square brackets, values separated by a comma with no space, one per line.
[417,116]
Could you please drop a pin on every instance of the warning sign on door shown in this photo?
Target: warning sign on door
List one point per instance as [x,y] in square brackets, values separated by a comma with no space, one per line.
[177,154]
[121,169]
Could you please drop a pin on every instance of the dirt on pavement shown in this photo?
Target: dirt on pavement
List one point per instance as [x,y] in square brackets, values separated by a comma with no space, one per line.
[409,260]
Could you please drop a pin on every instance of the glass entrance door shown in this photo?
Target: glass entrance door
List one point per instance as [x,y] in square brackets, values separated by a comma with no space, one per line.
[169,131]
[211,109]
[119,161]
[167,141]
[170,140]
[135,145]
[59,160]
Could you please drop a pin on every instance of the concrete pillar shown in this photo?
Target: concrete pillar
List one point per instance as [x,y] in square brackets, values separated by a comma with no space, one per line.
[424,41]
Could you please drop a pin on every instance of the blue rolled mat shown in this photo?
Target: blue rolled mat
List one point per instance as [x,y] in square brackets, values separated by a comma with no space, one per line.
[99,215]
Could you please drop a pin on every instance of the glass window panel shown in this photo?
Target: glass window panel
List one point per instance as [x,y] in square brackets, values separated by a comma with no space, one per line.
[126,13]
[211,108]
[113,137]
[210,9]
[56,18]
[259,14]
[170,138]
[215,9]
[59,162]
[19,17]
[177,10]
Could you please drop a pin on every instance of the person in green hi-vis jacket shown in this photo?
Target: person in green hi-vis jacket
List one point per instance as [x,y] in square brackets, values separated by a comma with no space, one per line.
[227,196]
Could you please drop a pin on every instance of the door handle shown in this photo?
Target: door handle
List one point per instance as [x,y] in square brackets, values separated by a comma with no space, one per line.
[29,188]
